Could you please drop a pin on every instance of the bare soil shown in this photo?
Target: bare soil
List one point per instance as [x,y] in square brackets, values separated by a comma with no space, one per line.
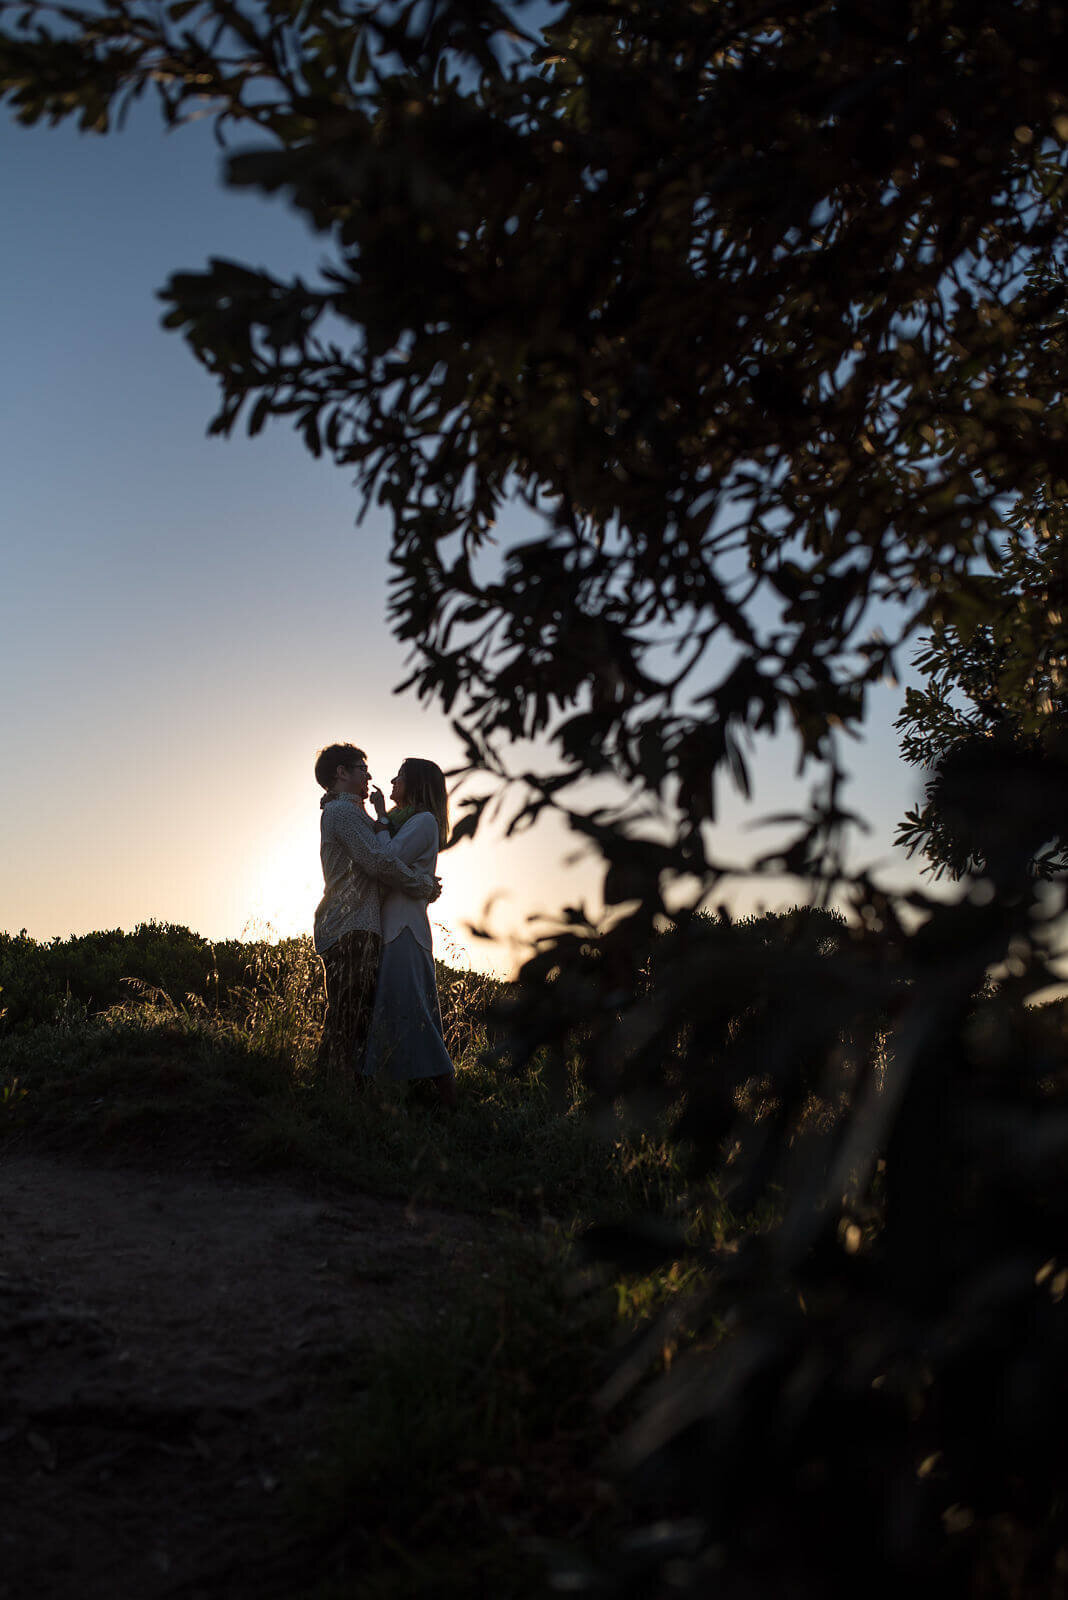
[171,1353]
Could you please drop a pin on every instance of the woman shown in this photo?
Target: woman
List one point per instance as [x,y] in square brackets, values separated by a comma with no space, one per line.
[407,1040]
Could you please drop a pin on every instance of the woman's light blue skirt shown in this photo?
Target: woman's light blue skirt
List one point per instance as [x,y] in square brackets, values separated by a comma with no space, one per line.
[406,1038]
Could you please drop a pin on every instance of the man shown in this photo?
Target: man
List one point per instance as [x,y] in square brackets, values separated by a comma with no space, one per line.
[347,925]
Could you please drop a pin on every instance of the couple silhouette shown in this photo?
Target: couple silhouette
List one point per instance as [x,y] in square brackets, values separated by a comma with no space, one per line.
[372,931]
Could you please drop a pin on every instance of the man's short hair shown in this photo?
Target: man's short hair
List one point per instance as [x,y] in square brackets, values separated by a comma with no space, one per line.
[333,756]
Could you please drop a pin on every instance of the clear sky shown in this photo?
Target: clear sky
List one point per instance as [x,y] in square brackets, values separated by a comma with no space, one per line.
[184,620]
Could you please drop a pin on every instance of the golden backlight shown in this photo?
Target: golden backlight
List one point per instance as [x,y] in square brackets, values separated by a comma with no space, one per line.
[484,882]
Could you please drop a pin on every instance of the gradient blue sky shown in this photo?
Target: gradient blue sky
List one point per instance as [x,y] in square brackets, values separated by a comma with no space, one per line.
[184,621]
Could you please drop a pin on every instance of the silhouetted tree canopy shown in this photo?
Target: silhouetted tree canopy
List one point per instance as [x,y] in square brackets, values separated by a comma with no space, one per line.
[992,709]
[759,310]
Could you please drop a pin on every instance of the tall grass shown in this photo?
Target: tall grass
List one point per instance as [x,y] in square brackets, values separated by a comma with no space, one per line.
[471,1445]
[228,1075]
[262,984]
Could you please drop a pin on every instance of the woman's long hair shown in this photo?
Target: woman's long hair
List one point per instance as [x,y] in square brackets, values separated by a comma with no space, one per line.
[424,787]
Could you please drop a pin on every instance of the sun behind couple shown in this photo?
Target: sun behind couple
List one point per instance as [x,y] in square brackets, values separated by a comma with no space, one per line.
[372,932]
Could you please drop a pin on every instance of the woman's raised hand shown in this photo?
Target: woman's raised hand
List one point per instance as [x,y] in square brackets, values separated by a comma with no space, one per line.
[378,801]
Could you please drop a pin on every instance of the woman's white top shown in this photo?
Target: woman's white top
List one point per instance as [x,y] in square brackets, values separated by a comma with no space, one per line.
[416,844]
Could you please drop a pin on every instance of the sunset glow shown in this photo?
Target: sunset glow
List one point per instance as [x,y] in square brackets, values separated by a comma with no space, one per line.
[189,619]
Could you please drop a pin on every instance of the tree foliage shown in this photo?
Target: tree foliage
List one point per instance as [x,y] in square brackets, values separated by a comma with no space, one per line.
[758,309]
[996,678]
[738,300]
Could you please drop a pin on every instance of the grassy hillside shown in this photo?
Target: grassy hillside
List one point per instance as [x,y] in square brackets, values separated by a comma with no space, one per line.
[899,1374]
[475,1449]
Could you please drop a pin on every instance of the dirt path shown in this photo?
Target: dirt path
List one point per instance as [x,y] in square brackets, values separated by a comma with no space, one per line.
[165,1365]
